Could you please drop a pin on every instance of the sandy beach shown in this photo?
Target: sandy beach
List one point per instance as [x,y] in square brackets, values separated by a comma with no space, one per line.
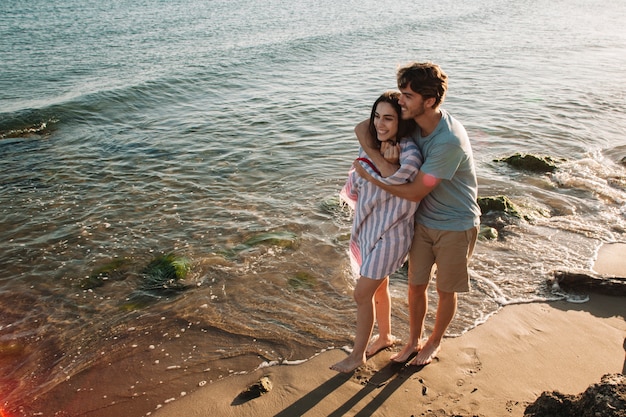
[496,369]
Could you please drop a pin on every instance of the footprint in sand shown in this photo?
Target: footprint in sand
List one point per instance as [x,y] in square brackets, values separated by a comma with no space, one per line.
[473,361]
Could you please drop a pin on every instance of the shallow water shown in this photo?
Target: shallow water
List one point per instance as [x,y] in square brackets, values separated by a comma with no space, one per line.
[131,129]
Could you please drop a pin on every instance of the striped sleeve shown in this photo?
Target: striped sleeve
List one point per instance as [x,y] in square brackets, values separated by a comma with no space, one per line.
[410,162]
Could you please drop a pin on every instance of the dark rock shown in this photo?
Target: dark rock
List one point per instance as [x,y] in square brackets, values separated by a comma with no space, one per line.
[606,399]
[576,281]
[497,212]
[531,162]
[499,203]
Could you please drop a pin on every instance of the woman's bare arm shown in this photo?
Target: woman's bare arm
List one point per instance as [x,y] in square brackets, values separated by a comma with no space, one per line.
[421,186]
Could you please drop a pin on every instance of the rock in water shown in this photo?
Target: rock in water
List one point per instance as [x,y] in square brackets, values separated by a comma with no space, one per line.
[531,162]
[582,281]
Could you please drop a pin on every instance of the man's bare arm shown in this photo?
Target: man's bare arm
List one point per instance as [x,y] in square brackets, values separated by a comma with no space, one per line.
[421,186]
[367,142]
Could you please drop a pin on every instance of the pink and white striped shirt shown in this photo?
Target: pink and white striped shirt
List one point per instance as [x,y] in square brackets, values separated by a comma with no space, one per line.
[383,225]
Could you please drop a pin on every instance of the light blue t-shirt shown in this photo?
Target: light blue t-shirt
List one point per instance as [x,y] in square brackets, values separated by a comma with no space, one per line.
[448,156]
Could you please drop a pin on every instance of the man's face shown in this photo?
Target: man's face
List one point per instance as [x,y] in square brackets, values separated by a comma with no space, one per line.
[412,104]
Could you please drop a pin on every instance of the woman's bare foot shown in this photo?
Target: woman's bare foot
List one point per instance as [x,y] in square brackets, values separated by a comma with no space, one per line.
[379,343]
[426,354]
[405,353]
[348,365]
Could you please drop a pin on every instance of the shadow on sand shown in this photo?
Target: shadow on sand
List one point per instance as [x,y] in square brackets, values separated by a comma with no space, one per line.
[389,378]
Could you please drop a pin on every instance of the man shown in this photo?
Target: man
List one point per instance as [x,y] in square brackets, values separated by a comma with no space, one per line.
[448,217]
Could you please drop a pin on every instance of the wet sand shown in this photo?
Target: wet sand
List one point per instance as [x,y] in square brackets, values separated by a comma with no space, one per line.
[496,369]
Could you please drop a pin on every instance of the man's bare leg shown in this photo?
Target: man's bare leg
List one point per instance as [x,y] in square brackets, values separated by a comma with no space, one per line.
[364,297]
[418,305]
[382,306]
[446,308]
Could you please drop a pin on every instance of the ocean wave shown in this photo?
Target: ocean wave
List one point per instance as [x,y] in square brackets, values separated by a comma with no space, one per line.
[27,125]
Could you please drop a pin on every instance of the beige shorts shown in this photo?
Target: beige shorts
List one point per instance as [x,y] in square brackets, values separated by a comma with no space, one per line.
[448,251]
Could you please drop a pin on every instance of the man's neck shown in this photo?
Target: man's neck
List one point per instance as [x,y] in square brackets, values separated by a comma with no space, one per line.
[428,121]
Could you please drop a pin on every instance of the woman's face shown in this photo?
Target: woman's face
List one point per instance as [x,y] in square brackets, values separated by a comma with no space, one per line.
[386,122]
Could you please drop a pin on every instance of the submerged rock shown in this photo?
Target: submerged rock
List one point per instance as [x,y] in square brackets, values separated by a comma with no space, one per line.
[531,162]
[606,399]
[160,278]
[163,273]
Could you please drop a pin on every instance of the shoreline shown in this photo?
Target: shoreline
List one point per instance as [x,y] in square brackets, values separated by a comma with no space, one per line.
[611,260]
[496,369]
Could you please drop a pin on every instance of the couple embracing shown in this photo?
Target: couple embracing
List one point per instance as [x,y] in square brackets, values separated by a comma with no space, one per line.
[413,190]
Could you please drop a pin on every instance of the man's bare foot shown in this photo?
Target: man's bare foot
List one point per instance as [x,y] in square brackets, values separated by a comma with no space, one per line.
[348,365]
[379,343]
[405,353]
[426,354]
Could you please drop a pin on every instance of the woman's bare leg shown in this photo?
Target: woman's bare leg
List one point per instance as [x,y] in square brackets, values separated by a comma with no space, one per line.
[364,297]
[382,306]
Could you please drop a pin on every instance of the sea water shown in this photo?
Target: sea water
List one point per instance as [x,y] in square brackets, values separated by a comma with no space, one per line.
[132,129]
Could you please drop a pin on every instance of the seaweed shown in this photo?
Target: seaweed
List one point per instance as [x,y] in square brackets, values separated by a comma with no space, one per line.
[160,278]
[163,274]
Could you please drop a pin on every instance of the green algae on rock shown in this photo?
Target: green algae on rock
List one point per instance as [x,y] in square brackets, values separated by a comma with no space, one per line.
[160,278]
[487,233]
[164,272]
[498,203]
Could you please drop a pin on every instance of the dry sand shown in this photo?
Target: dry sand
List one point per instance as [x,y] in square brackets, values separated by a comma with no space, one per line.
[496,369]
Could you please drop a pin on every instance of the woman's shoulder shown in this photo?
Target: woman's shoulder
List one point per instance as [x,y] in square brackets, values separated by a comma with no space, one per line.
[409,151]
[407,143]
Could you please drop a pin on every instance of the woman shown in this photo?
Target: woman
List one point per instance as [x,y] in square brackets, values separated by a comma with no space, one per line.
[382,229]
